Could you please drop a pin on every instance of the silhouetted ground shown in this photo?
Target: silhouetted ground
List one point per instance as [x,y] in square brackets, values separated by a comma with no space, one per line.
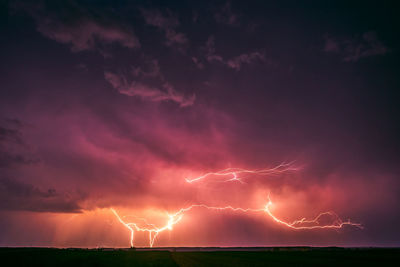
[302,256]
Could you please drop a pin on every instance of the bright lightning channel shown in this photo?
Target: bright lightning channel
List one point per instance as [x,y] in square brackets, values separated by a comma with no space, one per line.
[173,219]
[234,173]
[302,224]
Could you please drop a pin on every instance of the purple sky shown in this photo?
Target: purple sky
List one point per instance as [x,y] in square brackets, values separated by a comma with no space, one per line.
[112,104]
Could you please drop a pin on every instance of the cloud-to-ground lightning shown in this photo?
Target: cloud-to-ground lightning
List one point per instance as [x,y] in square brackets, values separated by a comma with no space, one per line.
[302,224]
[174,218]
[233,174]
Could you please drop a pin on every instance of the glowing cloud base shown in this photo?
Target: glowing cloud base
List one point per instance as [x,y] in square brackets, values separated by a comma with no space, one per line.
[233,175]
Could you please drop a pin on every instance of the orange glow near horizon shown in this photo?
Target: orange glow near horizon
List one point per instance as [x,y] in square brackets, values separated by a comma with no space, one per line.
[335,222]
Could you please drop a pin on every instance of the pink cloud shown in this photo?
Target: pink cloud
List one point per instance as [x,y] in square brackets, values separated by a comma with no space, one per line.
[237,62]
[145,92]
[87,35]
[82,32]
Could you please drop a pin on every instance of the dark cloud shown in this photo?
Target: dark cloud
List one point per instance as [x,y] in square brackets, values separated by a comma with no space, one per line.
[211,51]
[225,15]
[233,63]
[15,195]
[151,70]
[123,125]
[167,23]
[197,62]
[10,135]
[80,28]
[353,49]
[236,62]
[138,89]
[13,149]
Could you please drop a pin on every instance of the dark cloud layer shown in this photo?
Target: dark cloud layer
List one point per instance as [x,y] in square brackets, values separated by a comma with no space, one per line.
[79,27]
[115,103]
[13,149]
[354,49]
[25,197]
[134,88]
[166,23]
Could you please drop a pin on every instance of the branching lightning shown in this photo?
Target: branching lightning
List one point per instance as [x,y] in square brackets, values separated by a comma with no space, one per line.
[303,224]
[315,223]
[233,174]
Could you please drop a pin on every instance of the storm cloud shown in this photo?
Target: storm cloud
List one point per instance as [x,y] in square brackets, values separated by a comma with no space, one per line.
[115,104]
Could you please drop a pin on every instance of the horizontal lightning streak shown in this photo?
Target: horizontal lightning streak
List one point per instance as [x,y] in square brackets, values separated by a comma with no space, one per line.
[337,223]
[234,172]
[176,217]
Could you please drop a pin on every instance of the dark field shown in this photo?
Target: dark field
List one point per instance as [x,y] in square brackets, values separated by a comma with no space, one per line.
[195,257]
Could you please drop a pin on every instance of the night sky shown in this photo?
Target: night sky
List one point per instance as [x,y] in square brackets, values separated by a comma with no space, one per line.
[115,104]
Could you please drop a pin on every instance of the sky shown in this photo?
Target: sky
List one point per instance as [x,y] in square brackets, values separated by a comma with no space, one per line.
[115,115]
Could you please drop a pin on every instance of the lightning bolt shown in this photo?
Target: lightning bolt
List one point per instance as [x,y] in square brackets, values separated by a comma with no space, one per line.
[127,225]
[173,219]
[315,223]
[233,173]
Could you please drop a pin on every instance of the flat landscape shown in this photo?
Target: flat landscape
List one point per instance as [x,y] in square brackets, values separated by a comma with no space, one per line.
[271,256]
